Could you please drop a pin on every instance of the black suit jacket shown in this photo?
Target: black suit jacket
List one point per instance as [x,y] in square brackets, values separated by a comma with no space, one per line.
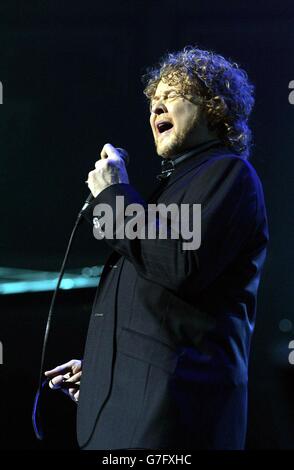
[166,357]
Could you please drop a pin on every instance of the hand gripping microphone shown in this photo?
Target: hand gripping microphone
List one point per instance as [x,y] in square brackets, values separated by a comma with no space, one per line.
[126,158]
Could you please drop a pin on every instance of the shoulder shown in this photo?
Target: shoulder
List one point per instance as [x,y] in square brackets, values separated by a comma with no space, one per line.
[224,178]
[227,169]
[230,161]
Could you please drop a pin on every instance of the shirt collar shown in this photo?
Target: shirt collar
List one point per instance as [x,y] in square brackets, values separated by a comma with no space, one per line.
[168,165]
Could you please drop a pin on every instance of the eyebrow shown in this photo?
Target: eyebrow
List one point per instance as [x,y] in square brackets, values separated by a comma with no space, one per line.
[167,91]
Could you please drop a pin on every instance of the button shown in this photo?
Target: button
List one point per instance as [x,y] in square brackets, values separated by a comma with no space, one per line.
[98,314]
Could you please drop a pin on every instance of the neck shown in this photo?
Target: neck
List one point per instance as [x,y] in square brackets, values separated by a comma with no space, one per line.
[207,142]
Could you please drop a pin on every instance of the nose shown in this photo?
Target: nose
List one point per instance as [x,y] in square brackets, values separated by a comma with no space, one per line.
[158,108]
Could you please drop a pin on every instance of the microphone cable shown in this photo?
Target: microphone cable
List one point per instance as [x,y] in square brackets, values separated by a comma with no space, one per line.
[36,414]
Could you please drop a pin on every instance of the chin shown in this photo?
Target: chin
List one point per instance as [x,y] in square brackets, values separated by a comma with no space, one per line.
[165,149]
[164,153]
[169,149]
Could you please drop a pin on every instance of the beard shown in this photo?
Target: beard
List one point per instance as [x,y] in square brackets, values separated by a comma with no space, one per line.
[177,142]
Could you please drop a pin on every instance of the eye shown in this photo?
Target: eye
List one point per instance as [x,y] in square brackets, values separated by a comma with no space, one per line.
[172,95]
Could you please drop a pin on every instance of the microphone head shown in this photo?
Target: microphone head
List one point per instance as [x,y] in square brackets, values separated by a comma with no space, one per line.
[124,155]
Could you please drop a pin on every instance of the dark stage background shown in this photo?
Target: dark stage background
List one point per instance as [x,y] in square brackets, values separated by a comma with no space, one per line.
[71,83]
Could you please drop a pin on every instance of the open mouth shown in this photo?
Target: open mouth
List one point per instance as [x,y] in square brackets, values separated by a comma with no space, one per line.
[164,126]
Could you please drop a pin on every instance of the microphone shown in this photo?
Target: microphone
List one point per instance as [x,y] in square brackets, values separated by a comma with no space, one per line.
[126,158]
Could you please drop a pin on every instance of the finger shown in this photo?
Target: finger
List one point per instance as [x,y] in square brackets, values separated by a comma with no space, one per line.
[67,376]
[60,369]
[77,367]
[90,177]
[69,383]
[74,378]
[72,392]
[99,164]
[56,382]
[57,371]
[109,151]
[64,386]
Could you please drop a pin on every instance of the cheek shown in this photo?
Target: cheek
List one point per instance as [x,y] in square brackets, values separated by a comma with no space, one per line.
[184,117]
[180,119]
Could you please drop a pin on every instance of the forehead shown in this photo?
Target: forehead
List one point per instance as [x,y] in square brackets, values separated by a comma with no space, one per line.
[162,87]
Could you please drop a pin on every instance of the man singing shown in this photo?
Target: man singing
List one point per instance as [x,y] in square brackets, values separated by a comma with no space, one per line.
[166,357]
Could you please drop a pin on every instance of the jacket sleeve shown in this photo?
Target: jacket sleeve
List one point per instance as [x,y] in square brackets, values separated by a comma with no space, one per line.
[226,188]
